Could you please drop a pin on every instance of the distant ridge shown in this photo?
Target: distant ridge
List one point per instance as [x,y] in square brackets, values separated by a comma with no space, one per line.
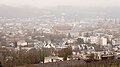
[9,11]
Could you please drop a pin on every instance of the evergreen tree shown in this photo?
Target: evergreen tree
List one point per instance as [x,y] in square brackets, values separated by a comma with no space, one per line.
[69,35]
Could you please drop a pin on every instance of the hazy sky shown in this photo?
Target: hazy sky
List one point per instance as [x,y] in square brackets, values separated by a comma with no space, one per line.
[50,3]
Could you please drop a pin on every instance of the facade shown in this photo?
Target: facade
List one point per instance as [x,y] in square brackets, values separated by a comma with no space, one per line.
[98,40]
[95,40]
[86,39]
[22,43]
[116,41]
[103,41]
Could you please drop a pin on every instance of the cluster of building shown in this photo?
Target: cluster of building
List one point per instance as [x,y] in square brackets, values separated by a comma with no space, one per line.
[95,37]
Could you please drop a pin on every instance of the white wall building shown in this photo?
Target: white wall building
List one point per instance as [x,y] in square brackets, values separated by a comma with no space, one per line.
[95,40]
[103,41]
[86,39]
[116,41]
[98,40]
[22,43]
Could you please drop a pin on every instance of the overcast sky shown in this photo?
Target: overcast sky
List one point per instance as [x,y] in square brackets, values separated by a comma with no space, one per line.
[50,3]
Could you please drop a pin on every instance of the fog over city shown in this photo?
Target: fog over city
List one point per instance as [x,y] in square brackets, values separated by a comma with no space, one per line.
[84,8]
[59,33]
[49,3]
